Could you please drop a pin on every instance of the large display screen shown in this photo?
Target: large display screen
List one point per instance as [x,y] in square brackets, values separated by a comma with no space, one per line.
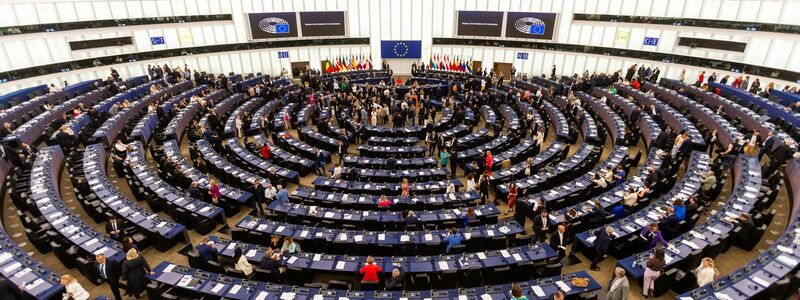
[273,25]
[480,23]
[530,25]
[323,23]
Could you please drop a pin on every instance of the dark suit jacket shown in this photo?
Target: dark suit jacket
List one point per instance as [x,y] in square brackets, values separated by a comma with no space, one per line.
[670,223]
[782,153]
[109,228]
[112,271]
[538,225]
[207,253]
[768,144]
[747,229]
[602,241]
[554,241]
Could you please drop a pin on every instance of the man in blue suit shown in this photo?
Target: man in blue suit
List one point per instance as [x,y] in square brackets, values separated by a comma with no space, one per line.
[207,251]
[601,243]
[766,146]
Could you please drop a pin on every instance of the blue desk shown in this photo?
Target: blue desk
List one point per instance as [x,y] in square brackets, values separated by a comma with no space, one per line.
[274,172]
[489,236]
[44,182]
[205,284]
[172,151]
[419,188]
[548,156]
[774,110]
[370,202]
[165,232]
[24,95]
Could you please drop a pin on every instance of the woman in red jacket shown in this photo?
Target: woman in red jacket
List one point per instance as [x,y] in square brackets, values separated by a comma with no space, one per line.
[370,271]
[489,161]
[266,152]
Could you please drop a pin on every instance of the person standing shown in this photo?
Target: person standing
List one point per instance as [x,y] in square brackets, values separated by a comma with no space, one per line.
[258,196]
[652,270]
[601,243]
[207,251]
[134,270]
[512,197]
[706,272]
[619,288]
[108,271]
[214,191]
[73,289]
[483,186]
[444,157]
[370,271]
[558,241]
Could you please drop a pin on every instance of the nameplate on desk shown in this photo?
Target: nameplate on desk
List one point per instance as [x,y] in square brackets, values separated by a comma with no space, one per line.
[563,286]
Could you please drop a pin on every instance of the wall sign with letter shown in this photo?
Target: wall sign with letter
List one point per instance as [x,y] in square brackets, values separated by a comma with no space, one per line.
[322,23]
[530,25]
[480,23]
[157,40]
[651,41]
[522,55]
[283,54]
[273,25]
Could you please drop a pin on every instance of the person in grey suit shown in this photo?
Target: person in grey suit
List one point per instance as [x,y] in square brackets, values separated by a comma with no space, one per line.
[618,290]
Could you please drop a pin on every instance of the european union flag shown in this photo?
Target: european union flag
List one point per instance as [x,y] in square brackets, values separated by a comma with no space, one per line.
[282,28]
[537,29]
[401,49]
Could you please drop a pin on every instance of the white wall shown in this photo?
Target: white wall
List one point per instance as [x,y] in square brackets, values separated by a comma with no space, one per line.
[404,20]
[265,61]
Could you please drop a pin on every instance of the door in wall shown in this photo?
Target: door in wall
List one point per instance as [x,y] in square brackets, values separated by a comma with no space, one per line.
[503,68]
[298,67]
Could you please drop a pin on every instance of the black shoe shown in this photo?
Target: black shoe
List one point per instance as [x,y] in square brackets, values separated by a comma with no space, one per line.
[594,268]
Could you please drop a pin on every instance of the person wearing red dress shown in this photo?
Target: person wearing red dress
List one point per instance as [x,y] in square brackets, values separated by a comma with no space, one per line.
[489,161]
[266,152]
[384,202]
[370,271]
[512,197]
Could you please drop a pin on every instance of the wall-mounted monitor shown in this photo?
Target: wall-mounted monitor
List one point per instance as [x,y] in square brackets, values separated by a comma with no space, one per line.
[273,25]
[479,23]
[323,23]
[531,25]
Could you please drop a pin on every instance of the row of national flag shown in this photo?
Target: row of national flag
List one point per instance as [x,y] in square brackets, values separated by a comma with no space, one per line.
[350,62]
[446,62]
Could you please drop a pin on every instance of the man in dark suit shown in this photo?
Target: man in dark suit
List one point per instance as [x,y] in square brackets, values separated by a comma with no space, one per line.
[766,146]
[781,154]
[541,225]
[206,251]
[271,263]
[635,115]
[258,196]
[114,228]
[601,243]
[747,228]
[558,241]
[670,223]
[597,215]
[109,272]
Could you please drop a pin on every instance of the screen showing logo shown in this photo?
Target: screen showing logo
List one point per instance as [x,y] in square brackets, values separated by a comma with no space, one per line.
[273,25]
[530,25]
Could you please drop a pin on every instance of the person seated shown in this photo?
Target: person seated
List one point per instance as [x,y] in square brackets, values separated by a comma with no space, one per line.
[747,227]
[396,283]
[599,182]
[468,216]
[630,198]
[454,238]
[240,262]
[680,209]
[289,246]
[207,251]
[271,262]
[384,202]
[370,271]
[411,219]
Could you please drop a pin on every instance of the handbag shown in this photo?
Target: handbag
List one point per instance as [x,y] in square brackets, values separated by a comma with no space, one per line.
[580,282]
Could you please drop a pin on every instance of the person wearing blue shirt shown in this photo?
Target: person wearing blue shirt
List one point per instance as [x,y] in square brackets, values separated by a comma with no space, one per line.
[619,178]
[206,251]
[680,209]
[283,195]
[453,239]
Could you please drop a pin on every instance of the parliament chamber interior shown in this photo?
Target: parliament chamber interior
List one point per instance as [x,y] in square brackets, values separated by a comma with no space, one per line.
[399,149]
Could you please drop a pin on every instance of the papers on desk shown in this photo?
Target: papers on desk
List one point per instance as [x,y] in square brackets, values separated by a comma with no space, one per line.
[486,297]
[381,236]
[12,267]
[185,281]
[538,291]
[217,287]
[358,238]
[287,296]
[291,260]
[428,237]
[591,239]
[787,260]
[5,256]
[563,286]
[481,255]
[235,289]
[169,268]
[340,265]
[403,238]
[443,265]
[505,253]
[690,244]
[250,253]
[317,257]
